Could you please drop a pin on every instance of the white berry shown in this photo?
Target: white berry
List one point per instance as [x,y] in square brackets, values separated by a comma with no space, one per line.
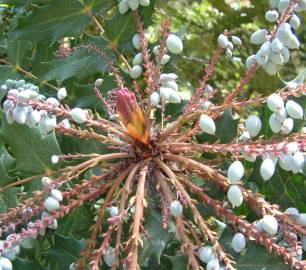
[238,242]
[136,71]
[5,264]
[52,204]
[235,172]
[270,224]
[275,102]
[267,169]
[113,211]
[78,115]
[62,93]
[57,195]
[234,195]
[253,125]
[206,254]
[176,208]
[207,124]
[174,44]
[154,98]
[109,256]
[213,265]
[294,109]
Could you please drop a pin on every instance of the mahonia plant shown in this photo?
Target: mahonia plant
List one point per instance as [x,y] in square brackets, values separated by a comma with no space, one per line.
[151,155]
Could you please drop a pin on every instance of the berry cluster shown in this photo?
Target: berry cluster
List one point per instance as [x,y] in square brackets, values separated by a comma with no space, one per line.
[158,156]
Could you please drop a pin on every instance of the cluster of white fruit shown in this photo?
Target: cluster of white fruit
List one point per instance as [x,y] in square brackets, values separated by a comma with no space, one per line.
[169,88]
[6,254]
[225,43]
[274,50]
[24,114]
[207,255]
[125,5]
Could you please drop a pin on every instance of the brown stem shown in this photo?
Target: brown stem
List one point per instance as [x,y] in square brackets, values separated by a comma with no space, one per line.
[139,206]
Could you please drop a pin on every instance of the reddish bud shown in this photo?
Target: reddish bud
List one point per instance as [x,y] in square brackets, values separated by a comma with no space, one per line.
[131,115]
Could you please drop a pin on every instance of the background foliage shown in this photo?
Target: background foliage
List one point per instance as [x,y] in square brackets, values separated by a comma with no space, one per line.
[30,31]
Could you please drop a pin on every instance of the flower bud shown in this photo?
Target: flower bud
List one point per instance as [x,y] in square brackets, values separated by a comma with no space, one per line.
[136,71]
[237,41]
[294,109]
[253,125]
[133,4]
[52,204]
[267,169]
[62,93]
[234,195]
[259,37]
[271,15]
[136,41]
[223,41]
[270,224]
[154,99]
[206,254]
[137,59]
[131,115]
[176,208]
[57,195]
[235,172]
[124,6]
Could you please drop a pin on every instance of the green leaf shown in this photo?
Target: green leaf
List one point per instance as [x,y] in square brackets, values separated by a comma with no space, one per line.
[17,52]
[246,260]
[56,20]
[178,262]
[159,237]
[29,147]
[79,64]
[8,199]
[21,264]
[121,27]
[226,127]
[283,188]
[63,252]
[7,163]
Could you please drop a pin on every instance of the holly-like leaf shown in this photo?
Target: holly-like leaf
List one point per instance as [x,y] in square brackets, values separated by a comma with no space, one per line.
[8,199]
[63,252]
[21,264]
[7,163]
[29,147]
[56,20]
[226,127]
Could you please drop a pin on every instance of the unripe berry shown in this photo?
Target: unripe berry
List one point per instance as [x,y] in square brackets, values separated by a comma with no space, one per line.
[5,264]
[52,101]
[250,61]
[213,265]
[20,115]
[46,181]
[78,115]
[275,102]
[99,82]
[294,109]
[283,5]
[292,211]
[234,195]
[144,3]
[20,83]
[271,15]
[286,162]
[174,44]
[168,77]
[136,41]
[267,169]
[154,99]
[137,59]
[206,254]
[165,59]
[124,6]
[133,4]
[9,83]
[261,58]
[235,172]
[238,242]
[113,211]
[281,115]
[51,204]
[229,53]
[292,147]
[273,3]
[109,256]
[237,41]
[174,96]
[62,93]
[176,208]
[165,92]
[302,219]
[269,224]
[287,126]
[136,71]
[57,195]
[54,159]
[253,125]
[222,41]
[207,124]
[259,37]
[295,21]
[274,124]
[170,84]
[297,162]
